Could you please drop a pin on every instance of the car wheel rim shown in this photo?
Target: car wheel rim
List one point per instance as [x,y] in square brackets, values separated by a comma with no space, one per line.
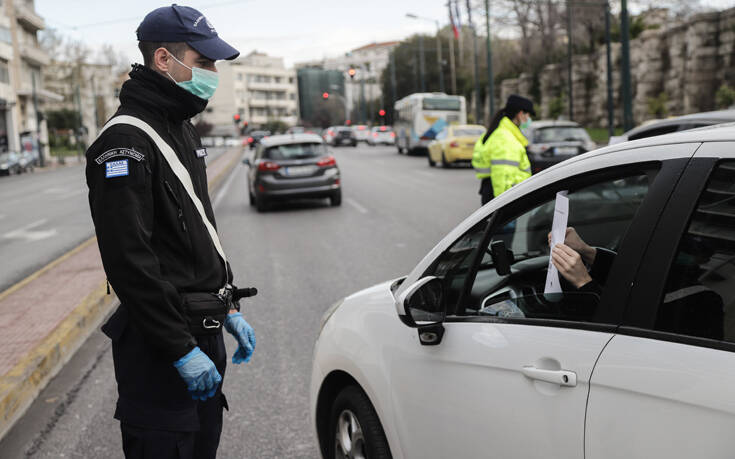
[349,439]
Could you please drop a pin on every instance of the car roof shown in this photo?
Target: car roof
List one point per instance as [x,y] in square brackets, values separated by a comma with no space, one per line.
[286,139]
[682,144]
[553,123]
[714,117]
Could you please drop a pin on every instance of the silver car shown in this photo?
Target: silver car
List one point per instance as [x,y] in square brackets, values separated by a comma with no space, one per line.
[292,166]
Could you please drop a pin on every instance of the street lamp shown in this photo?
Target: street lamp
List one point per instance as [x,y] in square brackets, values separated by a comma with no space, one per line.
[438,47]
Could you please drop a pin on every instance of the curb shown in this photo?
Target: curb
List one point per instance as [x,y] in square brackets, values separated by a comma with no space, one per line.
[20,386]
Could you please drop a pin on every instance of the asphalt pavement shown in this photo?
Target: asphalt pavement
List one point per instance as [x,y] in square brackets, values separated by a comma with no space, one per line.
[302,256]
[42,216]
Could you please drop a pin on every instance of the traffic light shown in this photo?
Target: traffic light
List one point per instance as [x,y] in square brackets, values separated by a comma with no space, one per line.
[236,118]
[348,122]
[351,72]
[381,112]
[325,96]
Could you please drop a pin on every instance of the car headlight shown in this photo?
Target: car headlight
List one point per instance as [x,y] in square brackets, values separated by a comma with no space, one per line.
[329,313]
[4,166]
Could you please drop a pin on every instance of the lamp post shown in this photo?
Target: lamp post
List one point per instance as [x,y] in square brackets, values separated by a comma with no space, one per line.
[438,48]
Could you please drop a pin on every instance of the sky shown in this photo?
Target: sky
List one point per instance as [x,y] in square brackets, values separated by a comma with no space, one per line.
[297,30]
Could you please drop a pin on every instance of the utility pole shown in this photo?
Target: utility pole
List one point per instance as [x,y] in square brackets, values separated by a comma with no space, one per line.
[421,63]
[41,161]
[393,82]
[478,111]
[439,57]
[490,82]
[625,41]
[610,115]
[570,83]
[363,113]
[452,70]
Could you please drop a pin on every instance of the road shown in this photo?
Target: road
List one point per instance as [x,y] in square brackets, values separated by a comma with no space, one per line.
[42,216]
[302,257]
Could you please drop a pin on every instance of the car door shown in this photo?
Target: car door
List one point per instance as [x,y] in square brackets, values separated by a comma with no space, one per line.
[510,376]
[664,386]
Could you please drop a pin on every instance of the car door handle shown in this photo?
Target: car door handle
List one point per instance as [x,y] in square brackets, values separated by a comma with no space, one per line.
[560,377]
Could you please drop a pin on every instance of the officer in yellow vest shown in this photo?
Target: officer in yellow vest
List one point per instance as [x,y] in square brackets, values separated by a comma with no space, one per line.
[500,160]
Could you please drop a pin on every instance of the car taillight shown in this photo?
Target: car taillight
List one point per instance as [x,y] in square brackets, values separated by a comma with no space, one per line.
[361,128]
[330,132]
[250,139]
[392,134]
[454,144]
[382,128]
[375,134]
[327,161]
[267,166]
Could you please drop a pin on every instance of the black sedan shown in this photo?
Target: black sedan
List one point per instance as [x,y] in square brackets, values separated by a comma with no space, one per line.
[292,166]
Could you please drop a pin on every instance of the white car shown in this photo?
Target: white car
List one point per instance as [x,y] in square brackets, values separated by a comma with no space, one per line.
[468,357]
[381,135]
[362,131]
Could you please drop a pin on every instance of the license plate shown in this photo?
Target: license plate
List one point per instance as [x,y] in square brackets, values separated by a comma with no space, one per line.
[296,171]
[565,150]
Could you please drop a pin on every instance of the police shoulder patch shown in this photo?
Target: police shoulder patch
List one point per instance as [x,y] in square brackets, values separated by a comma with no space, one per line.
[115,152]
[116,168]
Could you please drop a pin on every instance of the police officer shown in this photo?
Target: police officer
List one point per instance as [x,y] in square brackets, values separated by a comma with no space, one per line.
[156,248]
[499,159]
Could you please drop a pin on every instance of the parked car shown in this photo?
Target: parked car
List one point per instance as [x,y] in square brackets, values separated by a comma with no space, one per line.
[653,128]
[362,132]
[255,137]
[454,144]
[381,135]
[343,135]
[551,142]
[10,163]
[292,166]
[296,130]
[469,356]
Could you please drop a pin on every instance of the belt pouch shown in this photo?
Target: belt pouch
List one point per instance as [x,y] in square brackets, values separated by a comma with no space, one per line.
[205,313]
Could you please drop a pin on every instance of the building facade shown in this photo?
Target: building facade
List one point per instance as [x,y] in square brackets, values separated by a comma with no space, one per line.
[257,87]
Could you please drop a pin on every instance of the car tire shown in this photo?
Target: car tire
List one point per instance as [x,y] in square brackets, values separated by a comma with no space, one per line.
[336,199]
[352,409]
[261,205]
[432,163]
[252,198]
[445,163]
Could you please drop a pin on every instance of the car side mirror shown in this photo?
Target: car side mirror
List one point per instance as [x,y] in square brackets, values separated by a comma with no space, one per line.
[502,257]
[423,304]
[246,162]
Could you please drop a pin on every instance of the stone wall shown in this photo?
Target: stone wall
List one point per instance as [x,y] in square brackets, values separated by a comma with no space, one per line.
[683,63]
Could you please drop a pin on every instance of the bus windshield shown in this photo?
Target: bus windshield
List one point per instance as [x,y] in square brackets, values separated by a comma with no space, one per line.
[442,103]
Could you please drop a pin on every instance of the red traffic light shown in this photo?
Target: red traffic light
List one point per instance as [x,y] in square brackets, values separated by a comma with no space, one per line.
[348,122]
[236,117]
[351,73]
[381,112]
[325,95]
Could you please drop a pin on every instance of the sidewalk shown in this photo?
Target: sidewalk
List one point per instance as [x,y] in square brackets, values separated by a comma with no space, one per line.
[47,316]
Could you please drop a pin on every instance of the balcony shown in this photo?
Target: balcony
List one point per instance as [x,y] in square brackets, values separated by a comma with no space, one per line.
[27,17]
[260,86]
[33,54]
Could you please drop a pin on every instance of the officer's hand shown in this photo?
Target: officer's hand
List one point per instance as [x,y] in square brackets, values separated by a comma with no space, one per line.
[244,334]
[199,373]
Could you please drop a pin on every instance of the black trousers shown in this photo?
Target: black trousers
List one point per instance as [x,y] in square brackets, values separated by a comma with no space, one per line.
[158,418]
[486,190]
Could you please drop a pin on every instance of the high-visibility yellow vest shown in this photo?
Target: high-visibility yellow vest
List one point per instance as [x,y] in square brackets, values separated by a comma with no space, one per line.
[503,157]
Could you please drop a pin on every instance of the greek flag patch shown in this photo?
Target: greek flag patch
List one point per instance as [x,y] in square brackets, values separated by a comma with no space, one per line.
[116,168]
[201,152]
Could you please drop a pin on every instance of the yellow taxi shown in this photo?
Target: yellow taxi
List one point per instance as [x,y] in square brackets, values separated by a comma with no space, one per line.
[454,143]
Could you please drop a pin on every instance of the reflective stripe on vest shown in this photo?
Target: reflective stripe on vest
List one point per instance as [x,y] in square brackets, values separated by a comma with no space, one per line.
[505,162]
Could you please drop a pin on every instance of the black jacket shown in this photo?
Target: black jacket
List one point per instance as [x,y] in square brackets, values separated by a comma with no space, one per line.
[152,240]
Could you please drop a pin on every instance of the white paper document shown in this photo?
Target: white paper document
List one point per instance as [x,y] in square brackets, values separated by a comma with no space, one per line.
[558,232]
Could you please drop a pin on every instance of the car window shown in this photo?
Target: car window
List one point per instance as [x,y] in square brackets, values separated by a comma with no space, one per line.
[600,213]
[468,132]
[560,134]
[295,151]
[699,297]
[654,131]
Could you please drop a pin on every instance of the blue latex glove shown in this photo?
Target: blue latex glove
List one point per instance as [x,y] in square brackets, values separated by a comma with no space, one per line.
[244,334]
[199,373]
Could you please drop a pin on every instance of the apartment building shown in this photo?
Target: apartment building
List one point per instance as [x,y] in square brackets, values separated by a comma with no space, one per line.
[258,87]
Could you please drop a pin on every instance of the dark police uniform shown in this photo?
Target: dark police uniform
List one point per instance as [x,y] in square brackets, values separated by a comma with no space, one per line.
[154,247]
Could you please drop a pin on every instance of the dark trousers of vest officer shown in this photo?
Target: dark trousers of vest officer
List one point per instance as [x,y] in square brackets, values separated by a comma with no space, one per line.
[158,418]
[486,190]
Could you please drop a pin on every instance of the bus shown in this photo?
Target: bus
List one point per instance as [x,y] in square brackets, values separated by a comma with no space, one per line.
[420,117]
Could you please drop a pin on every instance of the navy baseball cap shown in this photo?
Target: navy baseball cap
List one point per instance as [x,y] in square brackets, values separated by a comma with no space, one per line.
[184,24]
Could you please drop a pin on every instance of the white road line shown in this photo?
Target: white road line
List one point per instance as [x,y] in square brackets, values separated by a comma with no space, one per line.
[356,205]
[69,194]
[223,191]
[31,236]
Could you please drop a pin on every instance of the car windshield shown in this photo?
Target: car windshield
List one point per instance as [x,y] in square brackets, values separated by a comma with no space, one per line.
[295,151]
[441,103]
[468,132]
[560,134]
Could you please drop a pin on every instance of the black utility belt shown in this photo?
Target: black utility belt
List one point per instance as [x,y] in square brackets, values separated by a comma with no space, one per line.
[205,312]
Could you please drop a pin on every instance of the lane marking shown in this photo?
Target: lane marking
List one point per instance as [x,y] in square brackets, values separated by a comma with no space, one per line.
[223,191]
[356,205]
[27,234]
[69,194]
